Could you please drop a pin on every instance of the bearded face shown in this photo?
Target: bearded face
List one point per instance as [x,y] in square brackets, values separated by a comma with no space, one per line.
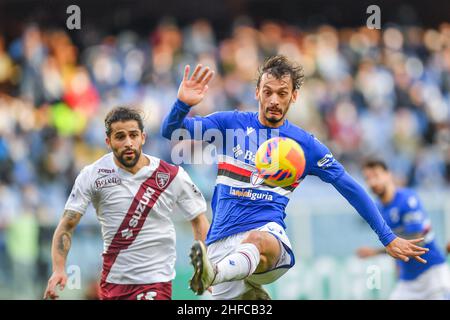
[275,97]
[126,141]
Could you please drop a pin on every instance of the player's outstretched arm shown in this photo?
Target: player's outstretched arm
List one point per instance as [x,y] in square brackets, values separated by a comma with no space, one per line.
[62,240]
[200,227]
[192,89]
[396,247]
[331,171]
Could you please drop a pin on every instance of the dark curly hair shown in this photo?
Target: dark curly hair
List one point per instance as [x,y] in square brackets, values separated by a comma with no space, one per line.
[122,114]
[375,163]
[280,66]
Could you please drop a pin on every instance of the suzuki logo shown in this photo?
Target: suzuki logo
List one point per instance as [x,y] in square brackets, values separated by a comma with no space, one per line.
[127,233]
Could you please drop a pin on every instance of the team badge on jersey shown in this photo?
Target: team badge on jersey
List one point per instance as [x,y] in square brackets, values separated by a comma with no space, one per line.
[162,178]
[256,179]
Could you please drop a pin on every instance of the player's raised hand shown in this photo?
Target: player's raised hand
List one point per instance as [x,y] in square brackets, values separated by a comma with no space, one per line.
[404,249]
[57,278]
[192,89]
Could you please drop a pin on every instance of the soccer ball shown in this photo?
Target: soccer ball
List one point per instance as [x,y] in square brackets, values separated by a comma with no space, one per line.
[280,162]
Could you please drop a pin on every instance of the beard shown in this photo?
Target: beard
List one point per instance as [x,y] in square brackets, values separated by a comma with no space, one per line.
[125,159]
[279,117]
[274,118]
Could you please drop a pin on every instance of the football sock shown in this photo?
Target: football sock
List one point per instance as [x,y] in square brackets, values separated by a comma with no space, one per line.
[238,265]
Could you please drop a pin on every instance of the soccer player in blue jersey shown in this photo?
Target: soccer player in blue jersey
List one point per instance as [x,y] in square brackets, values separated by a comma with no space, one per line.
[247,246]
[402,210]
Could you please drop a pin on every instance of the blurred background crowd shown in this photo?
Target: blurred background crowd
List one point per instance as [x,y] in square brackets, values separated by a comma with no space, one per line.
[366,92]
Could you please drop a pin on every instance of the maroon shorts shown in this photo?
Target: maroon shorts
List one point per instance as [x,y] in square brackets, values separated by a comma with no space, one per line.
[154,291]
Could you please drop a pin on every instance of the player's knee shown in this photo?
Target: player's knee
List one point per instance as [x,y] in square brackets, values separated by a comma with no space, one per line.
[256,238]
[264,264]
[263,242]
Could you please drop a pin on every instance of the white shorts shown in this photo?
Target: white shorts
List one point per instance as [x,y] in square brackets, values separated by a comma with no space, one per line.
[224,247]
[433,284]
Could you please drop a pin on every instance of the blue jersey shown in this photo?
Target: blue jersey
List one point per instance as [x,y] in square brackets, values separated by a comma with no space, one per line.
[406,216]
[241,201]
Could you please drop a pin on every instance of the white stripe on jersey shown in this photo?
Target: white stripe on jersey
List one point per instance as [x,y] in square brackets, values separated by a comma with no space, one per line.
[233,161]
[235,183]
[240,184]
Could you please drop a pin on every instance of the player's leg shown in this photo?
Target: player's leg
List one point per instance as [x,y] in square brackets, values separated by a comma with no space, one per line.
[400,292]
[216,252]
[259,251]
[436,283]
[251,288]
[254,292]
[286,261]
[433,284]
[408,290]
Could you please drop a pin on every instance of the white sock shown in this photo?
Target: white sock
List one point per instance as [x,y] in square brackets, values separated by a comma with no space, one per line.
[238,265]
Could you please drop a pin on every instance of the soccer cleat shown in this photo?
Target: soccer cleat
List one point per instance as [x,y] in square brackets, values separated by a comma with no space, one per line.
[204,271]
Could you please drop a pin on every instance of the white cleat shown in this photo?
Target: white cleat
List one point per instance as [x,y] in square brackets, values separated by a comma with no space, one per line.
[204,271]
